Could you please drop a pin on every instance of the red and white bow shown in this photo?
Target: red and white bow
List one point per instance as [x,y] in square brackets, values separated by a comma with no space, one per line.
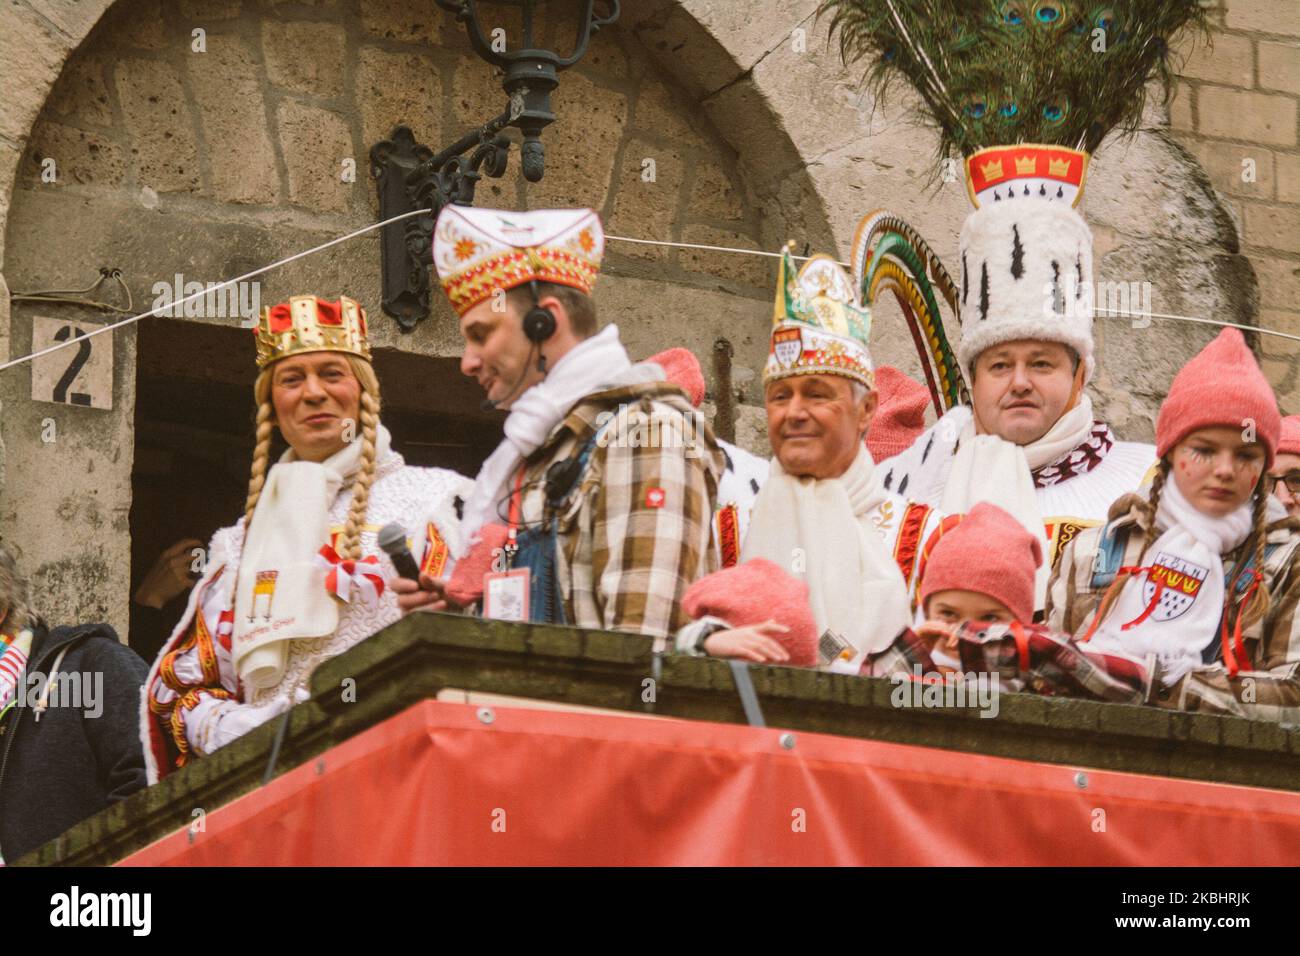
[342,576]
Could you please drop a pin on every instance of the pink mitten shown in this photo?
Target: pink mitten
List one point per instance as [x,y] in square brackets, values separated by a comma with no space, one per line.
[466,584]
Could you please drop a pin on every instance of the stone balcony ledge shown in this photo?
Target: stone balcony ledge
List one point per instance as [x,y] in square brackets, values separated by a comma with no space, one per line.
[424,654]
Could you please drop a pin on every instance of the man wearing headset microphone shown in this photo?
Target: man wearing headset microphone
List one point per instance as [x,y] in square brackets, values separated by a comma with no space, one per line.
[595,509]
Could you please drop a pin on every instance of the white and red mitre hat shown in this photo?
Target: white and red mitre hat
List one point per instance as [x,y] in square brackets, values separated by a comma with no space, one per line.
[479,251]
[1026,253]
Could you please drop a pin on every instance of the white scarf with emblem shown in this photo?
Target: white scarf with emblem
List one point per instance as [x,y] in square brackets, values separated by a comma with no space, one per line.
[1187,570]
[821,531]
[280,592]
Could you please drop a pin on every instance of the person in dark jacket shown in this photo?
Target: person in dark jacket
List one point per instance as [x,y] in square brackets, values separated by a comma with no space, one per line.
[69,721]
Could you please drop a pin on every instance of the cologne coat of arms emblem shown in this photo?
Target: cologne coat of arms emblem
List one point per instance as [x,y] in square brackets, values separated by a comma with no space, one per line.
[1179,580]
[787,346]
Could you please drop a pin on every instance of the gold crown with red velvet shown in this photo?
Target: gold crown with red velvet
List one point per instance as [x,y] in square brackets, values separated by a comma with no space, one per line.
[480,251]
[307,323]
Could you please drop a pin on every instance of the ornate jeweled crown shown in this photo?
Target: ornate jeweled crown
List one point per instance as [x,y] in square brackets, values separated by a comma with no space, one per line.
[818,325]
[307,323]
[478,251]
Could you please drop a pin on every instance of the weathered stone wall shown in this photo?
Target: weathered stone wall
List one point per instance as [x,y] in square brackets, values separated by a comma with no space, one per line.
[211,158]
[1236,110]
[209,164]
[1154,214]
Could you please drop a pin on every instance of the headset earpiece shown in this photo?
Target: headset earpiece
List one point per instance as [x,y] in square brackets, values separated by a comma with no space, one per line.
[539,324]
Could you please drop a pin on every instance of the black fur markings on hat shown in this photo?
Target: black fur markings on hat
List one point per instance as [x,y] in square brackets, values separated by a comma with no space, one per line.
[984,291]
[1017,254]
[1078,271]
[1058,297]
[964,284]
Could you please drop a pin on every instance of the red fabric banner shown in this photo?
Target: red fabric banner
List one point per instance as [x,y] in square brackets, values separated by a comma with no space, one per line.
[436,786]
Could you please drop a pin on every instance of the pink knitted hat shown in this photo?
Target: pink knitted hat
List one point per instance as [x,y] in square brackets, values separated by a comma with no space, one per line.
[900,416]
[1289,442]
[1221,385]
[989,553]
[752,593]
[682,369]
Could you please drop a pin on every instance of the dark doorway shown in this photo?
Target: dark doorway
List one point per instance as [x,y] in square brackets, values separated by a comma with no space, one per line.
[194,440]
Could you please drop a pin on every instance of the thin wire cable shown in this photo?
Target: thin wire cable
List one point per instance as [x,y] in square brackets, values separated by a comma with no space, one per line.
[78,296]
[210,289]
[1114,314]
[1104,313]
[696,245]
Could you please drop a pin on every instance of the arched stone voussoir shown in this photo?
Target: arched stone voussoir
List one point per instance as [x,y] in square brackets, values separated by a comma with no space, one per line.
[36,39]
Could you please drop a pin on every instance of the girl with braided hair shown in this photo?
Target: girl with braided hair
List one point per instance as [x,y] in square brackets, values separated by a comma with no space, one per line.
[1200,577]
[300,578]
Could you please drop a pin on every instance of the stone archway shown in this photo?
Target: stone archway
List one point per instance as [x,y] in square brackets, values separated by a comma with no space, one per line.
[764,139]
[165,169]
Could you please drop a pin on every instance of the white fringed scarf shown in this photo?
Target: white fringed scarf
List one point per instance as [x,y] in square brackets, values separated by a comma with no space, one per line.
[819,530]
[533,416]
[280,592]
[989,468]
[1175,629]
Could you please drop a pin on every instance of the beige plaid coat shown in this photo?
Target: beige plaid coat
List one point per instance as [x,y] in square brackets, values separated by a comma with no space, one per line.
[636,532]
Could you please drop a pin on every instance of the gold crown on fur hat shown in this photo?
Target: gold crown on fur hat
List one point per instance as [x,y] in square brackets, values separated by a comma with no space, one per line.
[307,323]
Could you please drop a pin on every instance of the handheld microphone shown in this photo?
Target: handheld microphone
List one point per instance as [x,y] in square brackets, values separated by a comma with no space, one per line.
[392,538]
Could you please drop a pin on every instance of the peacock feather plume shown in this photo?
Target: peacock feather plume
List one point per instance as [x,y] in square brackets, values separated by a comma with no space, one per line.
[999,72]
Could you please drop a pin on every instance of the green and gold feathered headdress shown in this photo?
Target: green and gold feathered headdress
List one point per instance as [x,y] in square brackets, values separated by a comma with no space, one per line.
[819,326]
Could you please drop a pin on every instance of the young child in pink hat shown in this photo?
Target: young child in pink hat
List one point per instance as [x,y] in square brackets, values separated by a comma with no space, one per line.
[976,599]
[982,570]
[1200,577]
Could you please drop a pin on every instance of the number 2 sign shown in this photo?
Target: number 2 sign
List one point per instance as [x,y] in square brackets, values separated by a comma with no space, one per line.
[80,373]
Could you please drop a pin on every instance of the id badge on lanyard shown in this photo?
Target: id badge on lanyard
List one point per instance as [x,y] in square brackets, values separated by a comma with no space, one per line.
[506,589]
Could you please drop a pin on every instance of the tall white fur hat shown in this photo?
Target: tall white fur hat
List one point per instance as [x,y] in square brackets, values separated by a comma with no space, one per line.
[1026,273]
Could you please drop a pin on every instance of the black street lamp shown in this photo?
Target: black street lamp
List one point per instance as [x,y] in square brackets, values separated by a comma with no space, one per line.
[410,176]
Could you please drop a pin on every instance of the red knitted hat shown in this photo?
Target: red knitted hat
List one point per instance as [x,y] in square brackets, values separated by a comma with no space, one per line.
[752,593]
[989,553]
[1221,385]
[1289,442]
[900,416]
[682,369]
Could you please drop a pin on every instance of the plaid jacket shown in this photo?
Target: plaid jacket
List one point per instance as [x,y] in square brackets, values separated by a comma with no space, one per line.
[1027,657]
[635,534]
[1269,688]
